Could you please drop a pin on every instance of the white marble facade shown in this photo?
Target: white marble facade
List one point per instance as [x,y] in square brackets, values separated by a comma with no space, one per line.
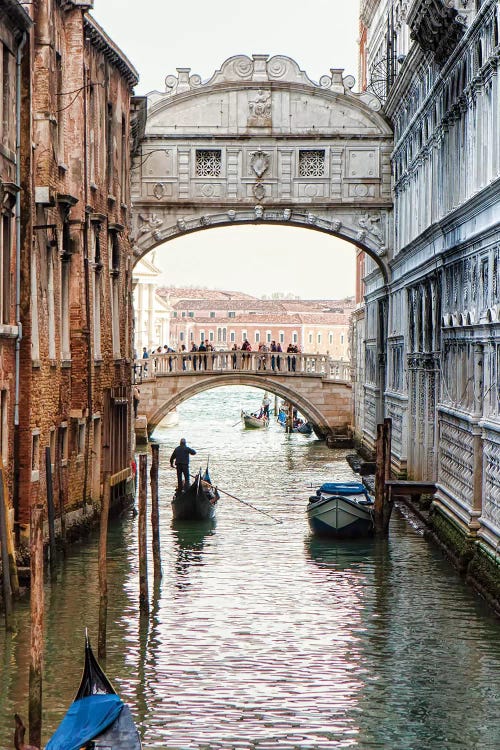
[441,381]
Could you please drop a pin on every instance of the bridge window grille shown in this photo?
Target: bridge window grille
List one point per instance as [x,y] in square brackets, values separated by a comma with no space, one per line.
[208,163]
[312,163]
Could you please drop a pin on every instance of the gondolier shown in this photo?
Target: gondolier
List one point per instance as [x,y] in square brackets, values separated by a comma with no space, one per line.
[181,457]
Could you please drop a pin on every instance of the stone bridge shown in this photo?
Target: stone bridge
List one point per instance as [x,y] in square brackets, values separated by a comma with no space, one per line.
[319,387]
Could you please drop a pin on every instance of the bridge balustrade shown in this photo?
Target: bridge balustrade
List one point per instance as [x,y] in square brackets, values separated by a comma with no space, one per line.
[283,363]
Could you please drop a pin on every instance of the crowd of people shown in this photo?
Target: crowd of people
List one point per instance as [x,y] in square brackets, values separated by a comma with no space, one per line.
[197,355]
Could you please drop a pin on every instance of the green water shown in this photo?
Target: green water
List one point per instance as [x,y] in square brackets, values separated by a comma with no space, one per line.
[261,636]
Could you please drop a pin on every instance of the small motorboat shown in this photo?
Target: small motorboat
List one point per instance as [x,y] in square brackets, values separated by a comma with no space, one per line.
[254,421]
[342,510]
[97,718]
[198,502]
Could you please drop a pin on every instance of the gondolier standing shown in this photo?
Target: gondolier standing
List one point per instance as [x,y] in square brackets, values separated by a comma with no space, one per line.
[181,457]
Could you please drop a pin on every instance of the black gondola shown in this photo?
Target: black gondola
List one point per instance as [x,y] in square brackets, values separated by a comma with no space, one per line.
[198,502]
[97,718]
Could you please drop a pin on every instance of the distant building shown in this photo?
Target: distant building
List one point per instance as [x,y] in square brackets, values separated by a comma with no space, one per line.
[227,318]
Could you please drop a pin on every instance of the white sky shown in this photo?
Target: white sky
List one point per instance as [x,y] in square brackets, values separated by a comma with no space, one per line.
[159,36]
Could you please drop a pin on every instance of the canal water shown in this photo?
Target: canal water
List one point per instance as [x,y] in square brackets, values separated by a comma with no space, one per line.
[261,636]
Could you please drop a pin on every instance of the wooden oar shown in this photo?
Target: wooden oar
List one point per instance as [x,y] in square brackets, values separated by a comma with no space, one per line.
[234,425]
[265,513]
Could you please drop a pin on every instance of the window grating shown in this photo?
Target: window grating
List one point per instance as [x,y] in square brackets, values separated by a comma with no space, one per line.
[208,163]
[311,163]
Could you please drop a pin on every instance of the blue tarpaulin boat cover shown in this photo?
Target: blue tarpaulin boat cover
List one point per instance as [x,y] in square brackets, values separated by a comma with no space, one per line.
[86,719]
[344,488]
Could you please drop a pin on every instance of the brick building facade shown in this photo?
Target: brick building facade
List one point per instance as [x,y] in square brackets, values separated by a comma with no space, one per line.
[75,267]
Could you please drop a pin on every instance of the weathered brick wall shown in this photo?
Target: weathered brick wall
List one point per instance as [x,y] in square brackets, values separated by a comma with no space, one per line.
[70,62]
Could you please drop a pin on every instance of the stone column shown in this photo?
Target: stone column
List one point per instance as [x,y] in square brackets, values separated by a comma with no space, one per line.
[477,437]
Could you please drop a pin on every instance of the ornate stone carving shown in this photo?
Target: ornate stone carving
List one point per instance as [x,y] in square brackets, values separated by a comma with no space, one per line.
[149,223]
[287,214]
[205,221]
[259,212]
[232,215]
[259,162]
[259,106]
[259,191]
[372,224]
[181,224]
[336,225]
[312,219]
[159,191]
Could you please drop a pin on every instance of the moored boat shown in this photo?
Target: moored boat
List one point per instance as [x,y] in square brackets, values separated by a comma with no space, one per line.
[97,718]
[198,502]
[253,421]
[342,510]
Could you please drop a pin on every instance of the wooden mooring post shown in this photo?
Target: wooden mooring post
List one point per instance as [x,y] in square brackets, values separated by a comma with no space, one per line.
[155,511]
[6,587]
[143,562]
[14,579]
[37,616]
[383,502]
[103,568]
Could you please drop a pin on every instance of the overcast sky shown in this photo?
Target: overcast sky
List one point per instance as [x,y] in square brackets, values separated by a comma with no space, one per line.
[159,36]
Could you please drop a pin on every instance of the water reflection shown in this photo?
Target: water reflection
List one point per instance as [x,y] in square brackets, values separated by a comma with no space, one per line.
[189,540]
[261,636]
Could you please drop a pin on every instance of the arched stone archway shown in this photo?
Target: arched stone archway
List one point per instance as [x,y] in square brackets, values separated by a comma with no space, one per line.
[261,142]
[327,405]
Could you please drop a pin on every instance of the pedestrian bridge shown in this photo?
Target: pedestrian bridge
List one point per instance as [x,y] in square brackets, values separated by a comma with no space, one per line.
[318,386]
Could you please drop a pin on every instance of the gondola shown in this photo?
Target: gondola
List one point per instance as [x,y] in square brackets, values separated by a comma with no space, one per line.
[97,718]
[253,422]
[305,428]
[198,502]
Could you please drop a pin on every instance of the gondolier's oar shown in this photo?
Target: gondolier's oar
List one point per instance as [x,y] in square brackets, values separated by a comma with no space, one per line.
[265,513]
[234,425]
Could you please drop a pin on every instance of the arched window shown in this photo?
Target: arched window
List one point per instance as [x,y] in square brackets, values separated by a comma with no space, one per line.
[257,337]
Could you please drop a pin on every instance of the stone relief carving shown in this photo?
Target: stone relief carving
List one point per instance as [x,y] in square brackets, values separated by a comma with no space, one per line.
[373,225]
[259,162]
[159,191]
[259,212]
[259,107]
[287,214]
[149,223]
[259,191]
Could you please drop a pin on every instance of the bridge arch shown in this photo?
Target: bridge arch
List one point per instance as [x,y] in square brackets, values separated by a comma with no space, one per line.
[305,400]
[261,142]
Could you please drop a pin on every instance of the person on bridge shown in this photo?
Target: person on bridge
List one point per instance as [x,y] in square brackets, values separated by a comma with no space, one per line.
[181,457]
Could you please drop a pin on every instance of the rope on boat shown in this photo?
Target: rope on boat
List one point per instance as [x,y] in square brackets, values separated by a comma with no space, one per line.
[265,513]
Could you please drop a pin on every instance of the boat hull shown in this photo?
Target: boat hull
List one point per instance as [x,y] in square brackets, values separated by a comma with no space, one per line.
[122,734]
[197,503]
[253,423]
[339,517]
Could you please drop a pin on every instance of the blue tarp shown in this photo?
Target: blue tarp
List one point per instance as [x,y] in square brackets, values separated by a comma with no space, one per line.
[343,488]
[86,719]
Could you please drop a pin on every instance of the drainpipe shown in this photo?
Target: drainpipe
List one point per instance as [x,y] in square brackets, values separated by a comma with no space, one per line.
[19,55]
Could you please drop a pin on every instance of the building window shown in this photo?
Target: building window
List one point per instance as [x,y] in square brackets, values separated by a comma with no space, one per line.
[232,337]
[114,257]
[97,284]
[202,335]
[4,421]
[341,338]
[212,314]
[268,337]
[191,336]
[35,339]
[319,338]
[5,93]
[310,338]
[5,269]
[80,448]
[231,314]
[210,335]
[123,181]
[312,163]
[35,456]
[191,314]
[295,337]
[208,162]
[181,336]
[257,337]
[244,335]
[63,442]
[50,303]
[183,314]
[175,313]
[330,338]
[109,144]
[60,102]
[65,335]
[282,337]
